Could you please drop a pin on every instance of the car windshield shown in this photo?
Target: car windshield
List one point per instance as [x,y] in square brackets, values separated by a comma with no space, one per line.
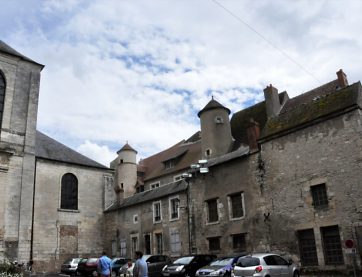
[223,262]
[68,261]
[76,260]
[183,260]
[83,260]
[248,261]
[92,260]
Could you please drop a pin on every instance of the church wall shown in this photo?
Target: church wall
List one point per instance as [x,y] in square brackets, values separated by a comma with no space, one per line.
[17,147]
[60,234]
[327,153]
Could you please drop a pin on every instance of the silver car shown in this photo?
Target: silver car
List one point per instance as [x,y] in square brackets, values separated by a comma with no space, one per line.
[264,265]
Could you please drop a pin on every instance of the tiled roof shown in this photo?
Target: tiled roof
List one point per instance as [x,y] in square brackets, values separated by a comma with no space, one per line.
[50,149]
[213,104]
[312,106]
[8,50]
[151,195]
[126,147]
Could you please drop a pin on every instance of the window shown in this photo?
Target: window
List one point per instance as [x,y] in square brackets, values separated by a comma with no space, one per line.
[157,217]
[140,188]
[212,213]
[307,247]
[332,245]
[2,96]
[239,243]
[135,218]
[134,244]
[159,248]
[170,163]
[174,208]
[236,205]
[319,194]
[177,177]
[175,242]
[155,185]
[214,243]
[148,244]
[208,152]
[69,192]
[123,246]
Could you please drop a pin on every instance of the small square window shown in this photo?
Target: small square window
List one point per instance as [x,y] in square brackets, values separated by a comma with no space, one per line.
[214,244]
[239,243]
[319,194]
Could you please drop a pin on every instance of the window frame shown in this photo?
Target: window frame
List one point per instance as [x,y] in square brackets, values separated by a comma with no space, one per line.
[211,241]
[230,205]
[208,222]
[154,217]
[243,247]
[155,185]
[177,198]
[64,191]
[319,195]
[307,247]
[158,243]
[328,250]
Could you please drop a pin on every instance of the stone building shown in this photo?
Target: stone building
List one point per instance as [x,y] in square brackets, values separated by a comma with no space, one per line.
[282,175]
[51,197]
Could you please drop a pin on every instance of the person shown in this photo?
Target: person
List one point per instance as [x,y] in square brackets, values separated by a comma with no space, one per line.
[104,265]
[140,267]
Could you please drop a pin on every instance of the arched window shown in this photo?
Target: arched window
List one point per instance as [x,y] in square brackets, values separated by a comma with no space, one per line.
[69,192]
[2,97]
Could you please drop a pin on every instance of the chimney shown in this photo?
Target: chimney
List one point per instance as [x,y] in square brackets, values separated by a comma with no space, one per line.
[342,79]
[272,101]
[253,134]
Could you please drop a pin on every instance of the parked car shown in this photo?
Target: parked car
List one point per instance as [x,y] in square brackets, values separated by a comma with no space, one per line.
[219,267]
[117,263]
[187,266]
[155,263]
[263,265]
[70,266]
[88,267]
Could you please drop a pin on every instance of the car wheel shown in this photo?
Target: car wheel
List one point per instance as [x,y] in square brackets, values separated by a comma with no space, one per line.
[296,274]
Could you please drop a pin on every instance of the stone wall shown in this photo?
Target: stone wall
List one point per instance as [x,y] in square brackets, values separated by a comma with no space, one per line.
[58,233]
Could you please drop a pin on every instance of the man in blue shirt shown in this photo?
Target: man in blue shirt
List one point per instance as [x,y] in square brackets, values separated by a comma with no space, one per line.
[104,265]
[140,267]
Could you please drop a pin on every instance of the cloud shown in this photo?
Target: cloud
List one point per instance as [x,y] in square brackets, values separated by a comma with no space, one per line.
[102,154]
[140,71]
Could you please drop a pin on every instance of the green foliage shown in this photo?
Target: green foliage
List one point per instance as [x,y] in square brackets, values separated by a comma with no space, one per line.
[8,269]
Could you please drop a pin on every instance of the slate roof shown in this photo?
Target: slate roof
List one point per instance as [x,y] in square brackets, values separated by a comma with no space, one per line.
[150,195]
[126,147]
[11,51]
[50,149]
[213,104]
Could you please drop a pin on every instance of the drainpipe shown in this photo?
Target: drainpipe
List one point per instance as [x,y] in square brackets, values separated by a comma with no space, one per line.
[189,219]
[32,218]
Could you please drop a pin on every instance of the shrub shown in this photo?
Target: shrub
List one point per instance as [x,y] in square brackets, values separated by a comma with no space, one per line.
[8,269]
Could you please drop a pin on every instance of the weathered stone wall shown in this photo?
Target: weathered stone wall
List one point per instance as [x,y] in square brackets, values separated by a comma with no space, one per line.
[17,160]
[328,152]
[58,233]
[120,225]
[221,181]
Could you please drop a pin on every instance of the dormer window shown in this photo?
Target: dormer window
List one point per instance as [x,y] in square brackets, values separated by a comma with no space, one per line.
[170,163]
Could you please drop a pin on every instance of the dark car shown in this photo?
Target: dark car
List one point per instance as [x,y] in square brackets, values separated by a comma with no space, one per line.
[70,266]
[219,267]
[87,267]
[117,263]
[187,266]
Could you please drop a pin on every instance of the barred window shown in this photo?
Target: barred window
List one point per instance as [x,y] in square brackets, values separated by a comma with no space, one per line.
[174,208]
[307,247]
[159,244]
[332,245]
[239,243]
[69,192]
[214,243]
[319,194]
[212,213]
[2,96]
[157,217]
[236,205]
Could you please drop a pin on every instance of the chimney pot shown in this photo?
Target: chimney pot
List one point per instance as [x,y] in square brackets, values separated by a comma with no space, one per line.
[342,79]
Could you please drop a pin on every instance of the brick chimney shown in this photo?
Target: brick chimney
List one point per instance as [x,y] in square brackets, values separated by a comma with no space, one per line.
[253,134]
[342,79]
[272,101]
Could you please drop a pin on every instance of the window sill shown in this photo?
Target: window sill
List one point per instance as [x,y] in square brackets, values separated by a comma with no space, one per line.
[68,211]
[155,222]
[174,219]
[212,223]
[236,218]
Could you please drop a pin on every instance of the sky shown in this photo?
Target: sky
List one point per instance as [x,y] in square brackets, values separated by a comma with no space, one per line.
[139,71]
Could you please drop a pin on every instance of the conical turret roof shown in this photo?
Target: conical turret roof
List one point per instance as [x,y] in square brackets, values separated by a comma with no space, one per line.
[126,147]
[213,104]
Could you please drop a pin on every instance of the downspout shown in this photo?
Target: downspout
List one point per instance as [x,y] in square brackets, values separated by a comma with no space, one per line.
[189,219]
[32,217]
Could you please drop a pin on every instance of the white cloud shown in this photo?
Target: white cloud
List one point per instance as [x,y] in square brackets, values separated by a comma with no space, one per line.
[102,154]
[140,71]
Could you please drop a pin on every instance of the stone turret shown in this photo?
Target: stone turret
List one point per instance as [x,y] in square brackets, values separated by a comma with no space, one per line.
[126,172]
[216,139]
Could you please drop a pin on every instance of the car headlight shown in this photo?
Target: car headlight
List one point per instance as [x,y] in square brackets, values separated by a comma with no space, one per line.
[179,268]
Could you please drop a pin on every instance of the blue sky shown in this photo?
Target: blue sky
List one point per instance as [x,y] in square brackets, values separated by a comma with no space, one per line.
[139,71]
